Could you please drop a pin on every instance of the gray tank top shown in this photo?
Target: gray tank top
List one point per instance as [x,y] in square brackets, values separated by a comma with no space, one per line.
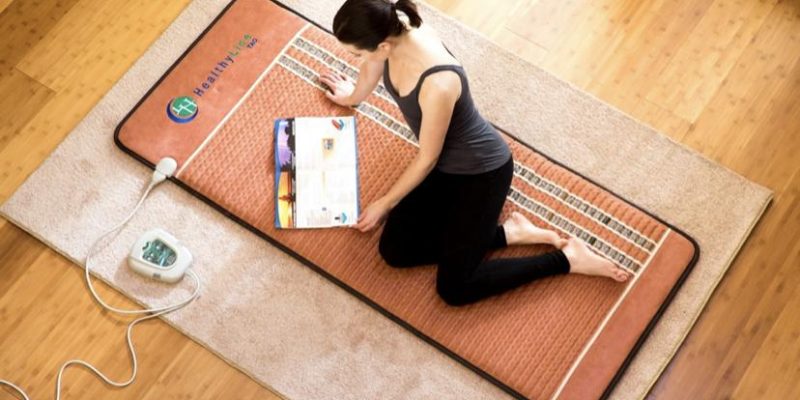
[471,145]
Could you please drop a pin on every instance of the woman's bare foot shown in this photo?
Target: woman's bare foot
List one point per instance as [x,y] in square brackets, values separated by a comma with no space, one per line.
[584,261]
[519,230]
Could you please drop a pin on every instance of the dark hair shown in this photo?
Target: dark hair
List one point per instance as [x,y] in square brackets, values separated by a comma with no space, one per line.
[366,23]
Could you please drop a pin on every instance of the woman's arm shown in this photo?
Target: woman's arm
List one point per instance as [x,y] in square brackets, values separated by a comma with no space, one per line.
[341,87]
[438,95]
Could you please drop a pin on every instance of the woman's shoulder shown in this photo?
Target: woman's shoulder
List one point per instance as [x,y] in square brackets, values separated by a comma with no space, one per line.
[440,84]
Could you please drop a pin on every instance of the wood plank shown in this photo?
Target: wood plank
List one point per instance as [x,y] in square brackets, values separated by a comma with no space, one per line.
[80,73]
[23,24]
[488,19]
[700,65]
[17,251]
[4,4]
[773,371]
[120,34]
[30,98]
[215,380]
[521,47]
[586,42]
[756,108]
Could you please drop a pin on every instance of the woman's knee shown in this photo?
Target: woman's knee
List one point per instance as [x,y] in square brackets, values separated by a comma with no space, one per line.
[389,251]
[453,292]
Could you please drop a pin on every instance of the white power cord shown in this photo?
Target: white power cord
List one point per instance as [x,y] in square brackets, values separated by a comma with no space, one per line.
[165,168]
[15,387]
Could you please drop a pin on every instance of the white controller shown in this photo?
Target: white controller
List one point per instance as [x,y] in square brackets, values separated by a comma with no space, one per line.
[159,255]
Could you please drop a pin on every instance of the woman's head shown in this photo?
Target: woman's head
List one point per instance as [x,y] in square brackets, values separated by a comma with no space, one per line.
[365,24]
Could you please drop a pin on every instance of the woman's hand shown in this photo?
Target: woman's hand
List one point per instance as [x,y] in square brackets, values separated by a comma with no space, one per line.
[372,216]
[340,87]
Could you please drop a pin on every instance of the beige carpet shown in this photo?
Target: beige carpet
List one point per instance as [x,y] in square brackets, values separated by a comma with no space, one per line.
[306,338]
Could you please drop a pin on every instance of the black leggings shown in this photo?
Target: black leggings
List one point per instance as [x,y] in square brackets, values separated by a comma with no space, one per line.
[452,220]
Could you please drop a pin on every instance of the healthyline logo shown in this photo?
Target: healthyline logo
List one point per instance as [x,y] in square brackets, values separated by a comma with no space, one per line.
[247,42]
[182,109]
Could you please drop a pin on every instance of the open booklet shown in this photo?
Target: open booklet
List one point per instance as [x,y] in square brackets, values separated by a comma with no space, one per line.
[316,172]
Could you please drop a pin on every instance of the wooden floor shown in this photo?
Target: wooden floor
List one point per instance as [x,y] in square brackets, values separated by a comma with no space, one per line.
[721,76]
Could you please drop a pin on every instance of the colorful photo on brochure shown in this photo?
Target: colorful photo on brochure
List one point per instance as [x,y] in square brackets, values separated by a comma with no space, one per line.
[316,172]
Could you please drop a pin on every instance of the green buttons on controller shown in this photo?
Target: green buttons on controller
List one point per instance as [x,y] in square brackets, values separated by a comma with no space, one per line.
[158,253]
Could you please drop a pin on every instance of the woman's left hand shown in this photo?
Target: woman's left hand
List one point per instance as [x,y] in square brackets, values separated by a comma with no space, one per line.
[372,216]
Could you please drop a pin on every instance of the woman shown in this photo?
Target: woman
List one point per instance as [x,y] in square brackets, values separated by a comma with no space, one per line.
[445,206]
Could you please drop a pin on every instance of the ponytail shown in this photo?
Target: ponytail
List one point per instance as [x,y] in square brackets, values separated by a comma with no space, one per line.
[367,23]
[410,10]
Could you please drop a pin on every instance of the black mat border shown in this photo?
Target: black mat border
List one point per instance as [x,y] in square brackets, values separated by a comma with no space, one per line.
[357,294]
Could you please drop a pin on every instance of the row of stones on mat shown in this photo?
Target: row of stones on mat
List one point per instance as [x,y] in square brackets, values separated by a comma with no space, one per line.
[567,226]
[583,206]
[387,121]
[337,64]
[535,180]
[367,109]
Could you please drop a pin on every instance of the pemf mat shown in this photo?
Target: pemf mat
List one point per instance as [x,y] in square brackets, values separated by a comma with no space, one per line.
[560,337]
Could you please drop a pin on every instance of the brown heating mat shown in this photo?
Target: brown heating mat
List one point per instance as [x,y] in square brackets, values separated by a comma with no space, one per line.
[567,336]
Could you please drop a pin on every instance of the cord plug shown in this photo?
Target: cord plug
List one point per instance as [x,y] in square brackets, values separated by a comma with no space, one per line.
[164,169]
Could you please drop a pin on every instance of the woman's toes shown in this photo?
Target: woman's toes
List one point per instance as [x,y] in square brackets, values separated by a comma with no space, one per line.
[584,261]
[621,275]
